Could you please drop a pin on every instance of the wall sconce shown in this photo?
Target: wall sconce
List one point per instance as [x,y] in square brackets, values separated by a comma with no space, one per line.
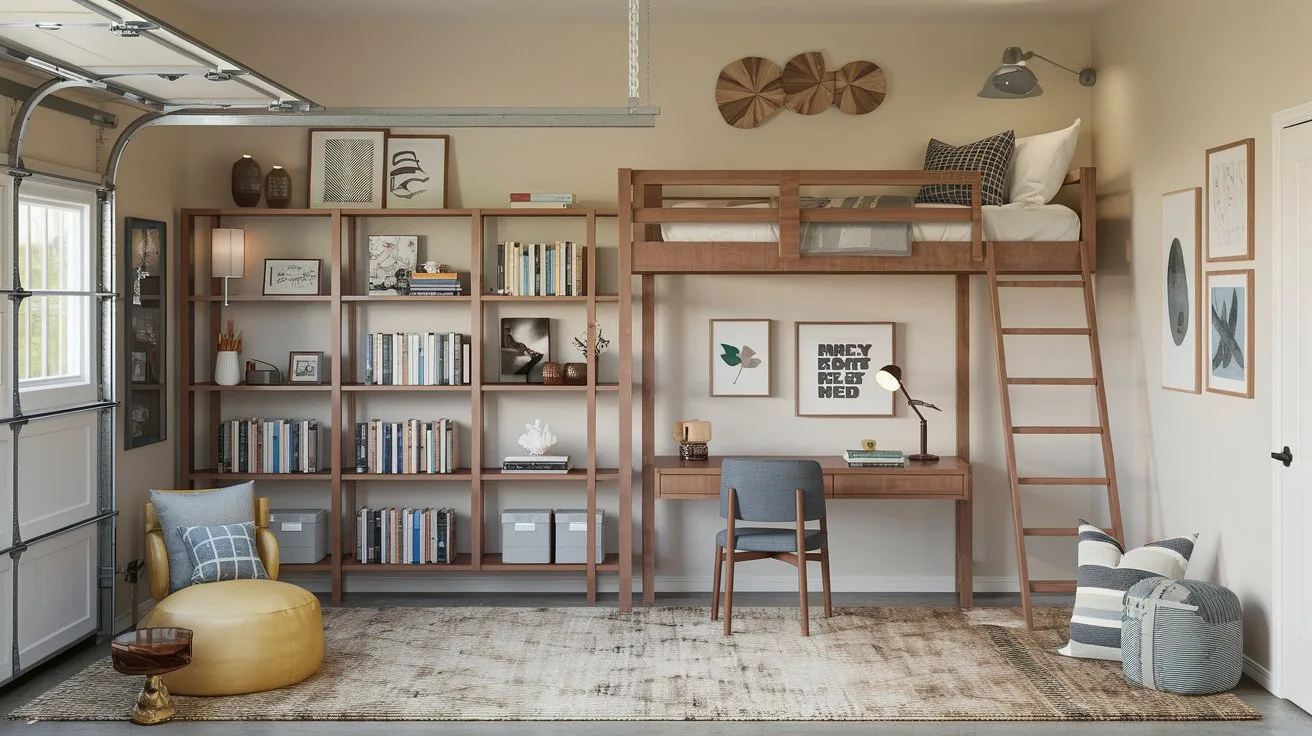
[227,255]
[1014,80]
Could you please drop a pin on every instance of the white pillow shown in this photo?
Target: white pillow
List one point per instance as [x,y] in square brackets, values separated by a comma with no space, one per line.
[1039,164]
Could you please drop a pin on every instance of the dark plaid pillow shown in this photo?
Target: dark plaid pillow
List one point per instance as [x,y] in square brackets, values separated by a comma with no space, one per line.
[990,156]
[224,552]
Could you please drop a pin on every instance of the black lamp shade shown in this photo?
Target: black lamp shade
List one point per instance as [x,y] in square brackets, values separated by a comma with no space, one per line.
[889,378]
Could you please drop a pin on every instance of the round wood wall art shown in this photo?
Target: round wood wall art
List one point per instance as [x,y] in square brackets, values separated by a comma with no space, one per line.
[749,91]
[859,87]
[807,88]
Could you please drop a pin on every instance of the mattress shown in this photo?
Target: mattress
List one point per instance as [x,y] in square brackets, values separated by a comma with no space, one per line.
[1009,222]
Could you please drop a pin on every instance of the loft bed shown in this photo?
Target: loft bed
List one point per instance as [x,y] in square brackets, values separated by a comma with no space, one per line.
[769,232]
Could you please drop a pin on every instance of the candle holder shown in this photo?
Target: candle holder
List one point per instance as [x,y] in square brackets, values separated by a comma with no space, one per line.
[692,436]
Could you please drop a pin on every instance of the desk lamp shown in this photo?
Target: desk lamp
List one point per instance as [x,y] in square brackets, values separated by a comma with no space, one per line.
[890,378]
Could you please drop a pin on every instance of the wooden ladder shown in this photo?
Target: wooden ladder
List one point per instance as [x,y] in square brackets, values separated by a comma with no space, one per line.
[1010,430]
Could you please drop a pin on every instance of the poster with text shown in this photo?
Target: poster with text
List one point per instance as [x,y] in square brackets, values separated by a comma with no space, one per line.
[836,366]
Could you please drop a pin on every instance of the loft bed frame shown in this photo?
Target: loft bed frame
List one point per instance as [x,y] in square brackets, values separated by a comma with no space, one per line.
[643,195]
[643,253]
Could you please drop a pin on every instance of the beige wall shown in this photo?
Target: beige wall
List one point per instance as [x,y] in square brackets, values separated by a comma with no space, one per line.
[1161,101]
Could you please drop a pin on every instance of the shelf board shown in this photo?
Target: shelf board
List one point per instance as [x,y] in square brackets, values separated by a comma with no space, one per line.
[493,563]
[582,299]
[463,563]
[460,474]
[324,565]
[358,387]
[357,298]
[545,387]
[575,474]
[294,298]
[404,212]
[258,212]
[211,473]
[538,212]
[275,387]
[146,386]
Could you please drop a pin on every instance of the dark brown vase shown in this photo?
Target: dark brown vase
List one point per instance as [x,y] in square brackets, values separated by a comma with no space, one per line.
[576,374]
[551,374]
[278,188]
[246,181]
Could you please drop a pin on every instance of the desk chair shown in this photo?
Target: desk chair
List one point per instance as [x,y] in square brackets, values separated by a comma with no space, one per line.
[771,490]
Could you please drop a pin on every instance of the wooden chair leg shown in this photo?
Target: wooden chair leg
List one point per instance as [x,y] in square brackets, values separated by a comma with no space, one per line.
[824,568]
[715,583]
[801,565]
[728,589]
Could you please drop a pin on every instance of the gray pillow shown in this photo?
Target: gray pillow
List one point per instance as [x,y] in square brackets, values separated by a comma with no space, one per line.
[224,552]
[179,510]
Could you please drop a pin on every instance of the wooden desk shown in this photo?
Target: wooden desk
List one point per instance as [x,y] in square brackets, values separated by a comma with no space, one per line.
[946,480]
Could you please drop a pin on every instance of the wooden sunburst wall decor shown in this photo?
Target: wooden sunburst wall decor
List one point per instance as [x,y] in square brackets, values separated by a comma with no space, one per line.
[750,90]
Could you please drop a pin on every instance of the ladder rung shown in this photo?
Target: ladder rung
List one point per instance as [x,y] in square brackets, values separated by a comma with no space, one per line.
[1045,330]
[1061,531]
[1057,430]
[1053,381]
[1052,586]
[1042,284]
[1063,481]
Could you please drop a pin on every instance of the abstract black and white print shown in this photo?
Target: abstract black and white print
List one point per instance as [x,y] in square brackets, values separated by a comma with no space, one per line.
[348,171]
[416,171]
[1230,339]
[1180,261]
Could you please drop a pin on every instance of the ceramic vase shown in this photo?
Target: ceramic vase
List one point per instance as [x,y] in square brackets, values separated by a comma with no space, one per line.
[278,188]
[246,181]
[576,374]
[551,374]
[226,370]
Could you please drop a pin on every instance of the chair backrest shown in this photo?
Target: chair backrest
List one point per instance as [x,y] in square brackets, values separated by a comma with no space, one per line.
[767,488]
[157,559]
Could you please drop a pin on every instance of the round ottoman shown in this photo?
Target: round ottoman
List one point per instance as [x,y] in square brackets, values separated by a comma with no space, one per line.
[248,636]
[1182,636]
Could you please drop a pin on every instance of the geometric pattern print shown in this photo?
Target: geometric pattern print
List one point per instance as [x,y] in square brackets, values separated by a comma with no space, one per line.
[224,552]
[348,171]
[990,156]
[1105,573]
[1182,636]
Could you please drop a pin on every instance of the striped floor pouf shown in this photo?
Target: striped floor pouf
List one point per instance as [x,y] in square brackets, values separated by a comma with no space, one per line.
[1182,636]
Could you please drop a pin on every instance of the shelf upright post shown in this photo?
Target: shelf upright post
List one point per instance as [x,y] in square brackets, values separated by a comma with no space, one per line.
[476,519]
[590,251]
[185,279]
[346,363]
[335,423]
[625,329]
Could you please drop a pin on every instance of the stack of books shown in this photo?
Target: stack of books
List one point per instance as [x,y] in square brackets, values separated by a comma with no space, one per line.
[536,464]
[435,284]
[874,458]
[542,200]
[405,536]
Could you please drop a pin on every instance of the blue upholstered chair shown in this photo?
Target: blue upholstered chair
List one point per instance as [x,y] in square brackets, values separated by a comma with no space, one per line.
[771,490]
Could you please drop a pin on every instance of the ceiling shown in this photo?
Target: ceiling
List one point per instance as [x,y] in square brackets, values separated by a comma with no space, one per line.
[661,10]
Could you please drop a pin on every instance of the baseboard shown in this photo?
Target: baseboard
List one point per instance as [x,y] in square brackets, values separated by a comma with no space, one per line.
[1258,673]
[128,620]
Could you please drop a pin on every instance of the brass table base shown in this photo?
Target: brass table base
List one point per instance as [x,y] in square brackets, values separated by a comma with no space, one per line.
[153,704]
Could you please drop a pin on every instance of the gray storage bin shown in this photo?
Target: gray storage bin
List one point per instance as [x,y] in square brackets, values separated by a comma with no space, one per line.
[302,534]
[572,535]
[526,535]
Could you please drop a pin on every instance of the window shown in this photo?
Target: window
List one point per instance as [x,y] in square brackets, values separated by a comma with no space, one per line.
[54,254]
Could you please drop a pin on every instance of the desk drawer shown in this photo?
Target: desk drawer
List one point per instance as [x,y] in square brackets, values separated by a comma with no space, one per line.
[683,485]
[861,485]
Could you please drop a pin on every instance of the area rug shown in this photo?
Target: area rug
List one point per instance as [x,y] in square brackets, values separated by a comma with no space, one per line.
[667,663]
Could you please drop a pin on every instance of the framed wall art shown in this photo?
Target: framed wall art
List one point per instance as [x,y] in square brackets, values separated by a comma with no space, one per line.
[740,357]
[1230,202]
[1230,338]
[305,366]
[145,330]
[346,167]
[836,366]
[1181,262]
[291,276]
[416,171]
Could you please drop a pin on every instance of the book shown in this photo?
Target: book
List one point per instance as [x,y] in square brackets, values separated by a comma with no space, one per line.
[851,455]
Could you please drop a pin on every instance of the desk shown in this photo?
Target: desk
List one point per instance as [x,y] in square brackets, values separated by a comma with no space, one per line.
[946,480]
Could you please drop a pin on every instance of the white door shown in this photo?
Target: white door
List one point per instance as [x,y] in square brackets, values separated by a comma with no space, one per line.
[1294,482]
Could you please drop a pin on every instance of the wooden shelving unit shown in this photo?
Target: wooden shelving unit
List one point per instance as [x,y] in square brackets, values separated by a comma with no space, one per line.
[202,402]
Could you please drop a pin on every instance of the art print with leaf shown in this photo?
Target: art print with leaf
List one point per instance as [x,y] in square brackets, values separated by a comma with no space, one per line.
[740,360]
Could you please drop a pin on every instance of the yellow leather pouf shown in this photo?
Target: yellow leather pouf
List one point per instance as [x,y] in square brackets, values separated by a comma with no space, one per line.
[248,636]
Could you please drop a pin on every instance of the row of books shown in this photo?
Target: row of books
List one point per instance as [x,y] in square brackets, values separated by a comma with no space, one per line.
[536,464]
[541,200]
[405,536]
[416,359]
[423,283]
[260,445]
[875,458]
[541,269]
[407,447]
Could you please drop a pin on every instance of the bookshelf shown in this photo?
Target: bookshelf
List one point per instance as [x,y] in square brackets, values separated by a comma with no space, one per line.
[337,320]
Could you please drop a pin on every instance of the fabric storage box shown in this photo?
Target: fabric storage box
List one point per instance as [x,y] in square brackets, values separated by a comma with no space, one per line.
[572,535]
[526,535]
[302,534]
[1182,636]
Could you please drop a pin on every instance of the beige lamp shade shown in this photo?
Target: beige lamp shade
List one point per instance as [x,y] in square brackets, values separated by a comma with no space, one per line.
[228,252]
[692,430]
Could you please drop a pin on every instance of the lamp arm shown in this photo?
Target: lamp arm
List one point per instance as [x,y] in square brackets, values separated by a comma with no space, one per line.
[912,403]
[1029,54]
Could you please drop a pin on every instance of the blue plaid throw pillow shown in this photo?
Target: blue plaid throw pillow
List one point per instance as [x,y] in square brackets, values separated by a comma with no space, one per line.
[225,552]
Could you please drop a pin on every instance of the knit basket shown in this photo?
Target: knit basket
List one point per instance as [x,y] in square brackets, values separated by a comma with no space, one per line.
[1182,636]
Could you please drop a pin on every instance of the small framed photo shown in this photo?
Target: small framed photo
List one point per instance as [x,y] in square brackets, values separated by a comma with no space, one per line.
[836,367]
[305,366]
[416,170]
[346,168]
[1230,202]
[291,276]
[140,373]
[1230,337]
[740,357]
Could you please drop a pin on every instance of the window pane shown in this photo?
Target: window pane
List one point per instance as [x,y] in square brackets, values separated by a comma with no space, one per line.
[54,253]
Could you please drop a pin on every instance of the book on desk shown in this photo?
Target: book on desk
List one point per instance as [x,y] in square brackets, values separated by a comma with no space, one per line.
[875,458]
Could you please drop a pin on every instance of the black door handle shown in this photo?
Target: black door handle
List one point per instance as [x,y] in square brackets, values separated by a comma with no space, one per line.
[1283,456]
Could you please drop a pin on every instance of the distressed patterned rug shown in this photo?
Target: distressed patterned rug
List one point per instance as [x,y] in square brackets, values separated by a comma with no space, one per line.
[664,663]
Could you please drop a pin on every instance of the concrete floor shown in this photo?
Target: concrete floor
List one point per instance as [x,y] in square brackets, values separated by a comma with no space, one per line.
[1279,717]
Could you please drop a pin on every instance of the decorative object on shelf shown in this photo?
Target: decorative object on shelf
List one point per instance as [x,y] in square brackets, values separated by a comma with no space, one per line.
[346,168]
[836,365]
[537,438]
[305,366]
[552,374]
[692,436]
[278,188]
[1181,262]
[740,357]
[291,276]
[433,267]
[227,255]
[750,90]
[247,182]
[261,376]
[1230,339]
[416,171]
[145,323]
[226,370]
[576,374]
[1230,202]
[392,258]
[869,444]
[890,379]
[525,345]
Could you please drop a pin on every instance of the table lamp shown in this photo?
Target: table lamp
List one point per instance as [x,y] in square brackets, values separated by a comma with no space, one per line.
[227,255]
[890,378]
[692,436]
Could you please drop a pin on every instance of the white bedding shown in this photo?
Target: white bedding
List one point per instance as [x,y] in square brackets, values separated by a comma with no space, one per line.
[1009,222]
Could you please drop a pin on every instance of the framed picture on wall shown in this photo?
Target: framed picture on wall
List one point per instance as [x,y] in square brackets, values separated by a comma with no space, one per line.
[416,171]
[346,168]
[836,366]
[1181,262]
[1230,202]
[1230,338]
[146,246]
[740,357]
